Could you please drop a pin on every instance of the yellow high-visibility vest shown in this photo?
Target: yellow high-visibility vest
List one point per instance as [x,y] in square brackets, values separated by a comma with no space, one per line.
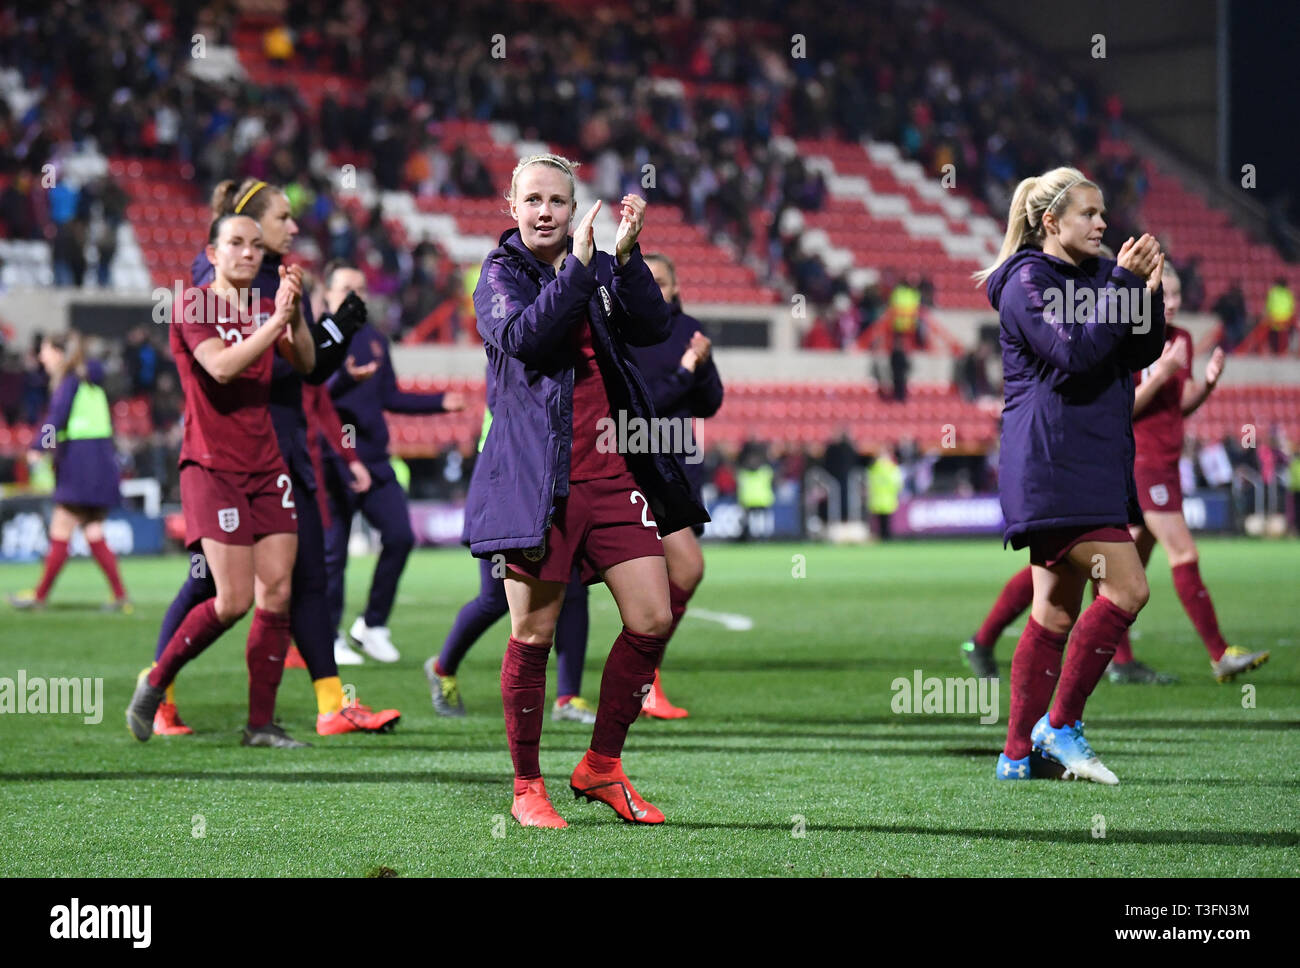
[89,418]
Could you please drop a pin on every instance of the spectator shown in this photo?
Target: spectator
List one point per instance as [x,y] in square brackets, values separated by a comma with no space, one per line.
[1231,310]
[1279,313]
[972,373]
[142,360]
[884,483]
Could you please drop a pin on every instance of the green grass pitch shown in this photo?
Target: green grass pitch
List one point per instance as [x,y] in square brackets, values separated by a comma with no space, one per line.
[791,764]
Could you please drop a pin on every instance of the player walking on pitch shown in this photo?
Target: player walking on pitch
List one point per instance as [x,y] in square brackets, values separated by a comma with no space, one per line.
[85,466]
[362,403]
[684,384]
[1166,394]
[268,205]
[1073,327]
[235,491]
[556,316]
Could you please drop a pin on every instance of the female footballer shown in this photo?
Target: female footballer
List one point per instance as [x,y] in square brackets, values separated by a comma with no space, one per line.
[556,317]
[684,384]
[236,493]
[1166,394]
[80,429]
[1073,327]
[269,207]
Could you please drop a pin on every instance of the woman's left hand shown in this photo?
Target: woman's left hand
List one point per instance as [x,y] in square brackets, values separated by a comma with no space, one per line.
[630,227]
[1214,368]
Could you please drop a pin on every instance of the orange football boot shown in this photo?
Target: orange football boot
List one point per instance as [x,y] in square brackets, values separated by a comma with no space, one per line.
[533,808]
[615,790]
[293,659]
[356,717]
[167,721]
[656,704]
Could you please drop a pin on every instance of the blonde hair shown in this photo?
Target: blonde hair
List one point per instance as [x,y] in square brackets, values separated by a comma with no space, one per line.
[555,161]
[1033,199]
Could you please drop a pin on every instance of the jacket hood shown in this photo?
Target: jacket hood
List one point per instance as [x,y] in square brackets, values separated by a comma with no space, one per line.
[998,280]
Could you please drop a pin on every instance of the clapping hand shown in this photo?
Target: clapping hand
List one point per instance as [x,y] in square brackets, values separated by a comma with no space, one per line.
[629,228]
[584,240]
[1214,368]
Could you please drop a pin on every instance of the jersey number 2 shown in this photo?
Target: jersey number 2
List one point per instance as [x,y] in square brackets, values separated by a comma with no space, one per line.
[286,499]
[645,512]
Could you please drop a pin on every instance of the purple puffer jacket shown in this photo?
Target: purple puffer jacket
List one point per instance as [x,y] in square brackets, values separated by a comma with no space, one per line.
[525,312]
[1067,426]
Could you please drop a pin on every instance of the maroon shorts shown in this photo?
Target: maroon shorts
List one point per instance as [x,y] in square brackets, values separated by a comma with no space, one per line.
[1049,548]
[236,508]
[1160,488]
[599,524]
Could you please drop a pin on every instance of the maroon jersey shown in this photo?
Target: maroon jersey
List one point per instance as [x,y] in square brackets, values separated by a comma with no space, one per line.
[1158,430]
[227,425]
[590,406]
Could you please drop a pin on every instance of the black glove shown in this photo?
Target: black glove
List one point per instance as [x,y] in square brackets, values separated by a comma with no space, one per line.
[350,316]
[333,335]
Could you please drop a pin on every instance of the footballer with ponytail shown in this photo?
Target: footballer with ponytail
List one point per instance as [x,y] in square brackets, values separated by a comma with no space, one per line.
[1073,327]
[258,208]
[1035,197]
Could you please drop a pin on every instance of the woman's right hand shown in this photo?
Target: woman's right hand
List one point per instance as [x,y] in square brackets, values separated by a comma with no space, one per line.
[584,240]
[1140,257]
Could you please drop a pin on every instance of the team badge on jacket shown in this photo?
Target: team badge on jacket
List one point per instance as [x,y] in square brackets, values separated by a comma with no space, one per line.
[606,301]
[228,518]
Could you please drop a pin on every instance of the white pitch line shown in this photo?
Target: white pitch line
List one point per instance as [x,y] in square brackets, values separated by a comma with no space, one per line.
[737,623]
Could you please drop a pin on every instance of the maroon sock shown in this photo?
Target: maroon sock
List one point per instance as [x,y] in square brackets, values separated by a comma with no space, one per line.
[54,560]
[1196,601]
[523,694]
[108,564]
[199,629]
[677,599]
[1016,596]
[1123,650]
[629,674]
[268,644]
[1092,645]
[1035,668]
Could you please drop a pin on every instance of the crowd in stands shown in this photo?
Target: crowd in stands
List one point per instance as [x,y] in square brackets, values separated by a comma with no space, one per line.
[698,99]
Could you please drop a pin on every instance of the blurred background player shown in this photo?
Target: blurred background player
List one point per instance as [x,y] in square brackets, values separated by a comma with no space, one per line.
[362,391]
[269,206]
[478,614]
[683,383]
[237,498]
[1167,393]
[555,315]
[79,427]
[1068,494]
